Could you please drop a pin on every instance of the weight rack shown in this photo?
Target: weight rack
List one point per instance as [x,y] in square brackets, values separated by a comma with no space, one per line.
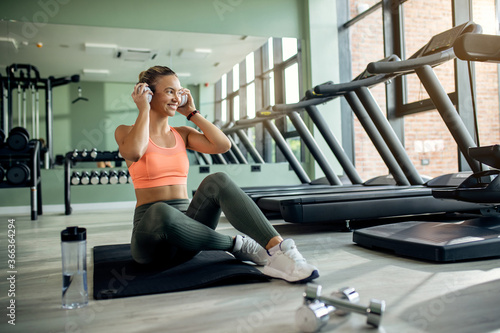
[30,156]
[22,78]
[73,157]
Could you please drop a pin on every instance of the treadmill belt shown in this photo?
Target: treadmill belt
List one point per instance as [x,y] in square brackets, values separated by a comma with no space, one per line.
[363,205]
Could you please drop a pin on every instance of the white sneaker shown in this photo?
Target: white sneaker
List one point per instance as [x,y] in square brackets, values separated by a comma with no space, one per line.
[246,249]
[286,262]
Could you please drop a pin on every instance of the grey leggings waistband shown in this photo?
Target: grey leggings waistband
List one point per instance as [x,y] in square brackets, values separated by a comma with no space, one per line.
[180,204]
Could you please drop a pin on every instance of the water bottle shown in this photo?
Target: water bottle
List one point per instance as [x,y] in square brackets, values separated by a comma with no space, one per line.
[74,267]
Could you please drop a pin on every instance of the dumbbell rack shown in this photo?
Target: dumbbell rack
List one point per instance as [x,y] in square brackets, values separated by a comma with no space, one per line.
[31,157]
[73,157]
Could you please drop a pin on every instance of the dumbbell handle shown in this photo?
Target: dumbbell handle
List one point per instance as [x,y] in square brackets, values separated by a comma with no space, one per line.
[344,305]
[373,312]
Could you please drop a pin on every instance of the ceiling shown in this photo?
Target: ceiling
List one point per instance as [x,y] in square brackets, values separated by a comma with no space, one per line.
[92,52]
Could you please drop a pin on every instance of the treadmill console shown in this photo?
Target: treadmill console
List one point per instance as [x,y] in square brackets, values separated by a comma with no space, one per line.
[446,39]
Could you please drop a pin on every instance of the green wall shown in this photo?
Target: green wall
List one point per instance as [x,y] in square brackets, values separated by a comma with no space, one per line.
[92,123]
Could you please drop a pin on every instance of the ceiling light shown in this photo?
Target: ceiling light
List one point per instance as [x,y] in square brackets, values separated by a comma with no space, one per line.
[10,43]
[183,74]
[99,72]
[194,54]
[94,48]
[203,50]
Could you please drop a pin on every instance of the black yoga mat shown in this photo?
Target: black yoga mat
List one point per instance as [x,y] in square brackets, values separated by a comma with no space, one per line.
[116,274]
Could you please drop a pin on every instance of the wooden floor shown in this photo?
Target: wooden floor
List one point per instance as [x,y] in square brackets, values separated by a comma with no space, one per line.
[420,296]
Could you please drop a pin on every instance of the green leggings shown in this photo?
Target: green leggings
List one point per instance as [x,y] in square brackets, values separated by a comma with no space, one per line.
[174,231]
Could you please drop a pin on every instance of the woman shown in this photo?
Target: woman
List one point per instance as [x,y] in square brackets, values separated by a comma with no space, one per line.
[168,227]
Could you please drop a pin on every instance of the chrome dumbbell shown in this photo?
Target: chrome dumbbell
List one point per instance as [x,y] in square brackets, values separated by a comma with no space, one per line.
[314,314]
[316,310]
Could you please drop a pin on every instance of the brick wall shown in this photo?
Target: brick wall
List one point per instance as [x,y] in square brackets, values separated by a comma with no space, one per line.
[427,140]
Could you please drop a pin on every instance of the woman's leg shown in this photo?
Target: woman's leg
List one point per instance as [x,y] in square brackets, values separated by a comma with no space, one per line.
[218,192]
[164,233]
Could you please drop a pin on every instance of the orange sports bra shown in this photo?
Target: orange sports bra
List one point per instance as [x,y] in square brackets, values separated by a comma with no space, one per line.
[161,166]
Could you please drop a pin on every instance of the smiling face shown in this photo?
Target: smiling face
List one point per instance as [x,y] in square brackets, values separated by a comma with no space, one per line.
[167,95]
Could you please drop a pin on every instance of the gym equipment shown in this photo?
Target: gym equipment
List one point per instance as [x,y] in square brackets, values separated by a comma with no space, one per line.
[103,177]
[208,268]
[113,177]
[18,138]
[2,173]
[23,79]
[2,137]
[277,137]
[93,177]
[18,174]
[348,294]
[316,310]
[309,104]
[122,177]
[351,204]
[313,316]
[75,178]
[465,239]
[85,178]
[21,168]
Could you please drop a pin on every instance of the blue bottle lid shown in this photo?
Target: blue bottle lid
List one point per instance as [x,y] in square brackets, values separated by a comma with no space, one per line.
[73,234]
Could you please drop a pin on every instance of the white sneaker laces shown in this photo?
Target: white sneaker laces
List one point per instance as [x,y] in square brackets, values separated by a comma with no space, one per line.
[293,254]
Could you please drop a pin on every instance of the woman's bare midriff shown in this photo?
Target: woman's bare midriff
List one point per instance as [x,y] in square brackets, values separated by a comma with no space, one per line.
[161,193]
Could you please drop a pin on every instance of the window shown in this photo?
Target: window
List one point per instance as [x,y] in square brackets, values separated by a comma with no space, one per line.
[427,140]
[367,35]
[486,78]
[261,88]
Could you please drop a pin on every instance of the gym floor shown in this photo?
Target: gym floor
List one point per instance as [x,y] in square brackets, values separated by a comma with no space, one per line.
[420,296]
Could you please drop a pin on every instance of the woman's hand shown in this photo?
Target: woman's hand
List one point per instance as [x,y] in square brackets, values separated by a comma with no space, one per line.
[189,107]
[140,96]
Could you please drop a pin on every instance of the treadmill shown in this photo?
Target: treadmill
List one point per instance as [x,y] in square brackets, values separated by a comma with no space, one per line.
[463,240]
[318,186]
[397,177]
[416,199]
[265,118]
[309,105]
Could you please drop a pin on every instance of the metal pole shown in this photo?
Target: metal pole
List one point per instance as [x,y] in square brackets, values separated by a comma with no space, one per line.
[287,152]
[314,148]
[376,138]
[334,145]
[448,113]
[249,147]
[389,136]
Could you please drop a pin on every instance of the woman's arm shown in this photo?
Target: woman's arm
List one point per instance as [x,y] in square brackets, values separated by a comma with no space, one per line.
[211,141]
[133,140]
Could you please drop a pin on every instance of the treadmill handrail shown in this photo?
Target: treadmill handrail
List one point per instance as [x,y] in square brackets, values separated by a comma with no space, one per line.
[365,79]
[343,88]
[246,123]
[410,65]
[287,108]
